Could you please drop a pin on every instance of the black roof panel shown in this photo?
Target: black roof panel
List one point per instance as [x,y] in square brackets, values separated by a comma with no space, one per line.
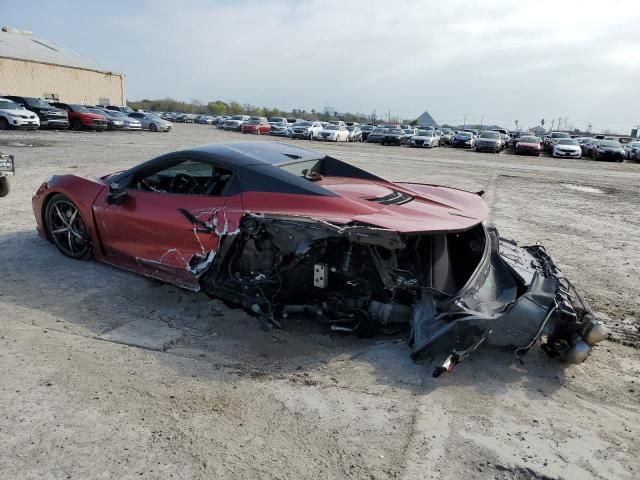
[241,154]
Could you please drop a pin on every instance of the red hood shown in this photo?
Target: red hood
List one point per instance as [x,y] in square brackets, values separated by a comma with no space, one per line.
[429,208]
[426,208]
[91,115]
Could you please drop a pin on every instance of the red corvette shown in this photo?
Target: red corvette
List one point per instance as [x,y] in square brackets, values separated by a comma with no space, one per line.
[259,127]
[281,230]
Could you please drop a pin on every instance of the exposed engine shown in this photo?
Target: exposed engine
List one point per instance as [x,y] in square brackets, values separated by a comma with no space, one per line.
[454,291]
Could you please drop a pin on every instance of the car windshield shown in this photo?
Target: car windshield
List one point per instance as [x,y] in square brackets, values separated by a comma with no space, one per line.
[424,133]
[366,128]
[397,131]
[277,120]
[8,105]
[331,127]
[304,124]
[560,135]
[634,144]
[113,113]
[493,135]
[36,102]
[464,135]
[610,144]
[80,108]
[408,130]
[98,111]
[237,117]
[351,129]
[253,122]
[568,141]
[380,130]
[529,140]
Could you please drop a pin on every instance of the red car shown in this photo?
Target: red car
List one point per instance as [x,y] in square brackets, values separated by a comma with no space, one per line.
[259,126]
[281,230]
[528,145]
[81,118]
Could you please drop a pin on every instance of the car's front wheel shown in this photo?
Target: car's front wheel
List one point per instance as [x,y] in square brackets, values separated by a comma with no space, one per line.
[66,228]
[4,124]
[76,125]
[153,127]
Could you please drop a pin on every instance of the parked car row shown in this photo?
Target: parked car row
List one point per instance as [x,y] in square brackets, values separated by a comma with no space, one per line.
[32,113]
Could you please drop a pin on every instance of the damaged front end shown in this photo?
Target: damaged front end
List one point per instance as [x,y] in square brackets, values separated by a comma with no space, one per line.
[452,291]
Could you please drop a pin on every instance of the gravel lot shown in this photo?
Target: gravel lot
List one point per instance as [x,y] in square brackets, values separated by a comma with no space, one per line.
[230,400]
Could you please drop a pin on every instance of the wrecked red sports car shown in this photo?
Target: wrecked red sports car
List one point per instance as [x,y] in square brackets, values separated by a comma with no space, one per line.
[282,230]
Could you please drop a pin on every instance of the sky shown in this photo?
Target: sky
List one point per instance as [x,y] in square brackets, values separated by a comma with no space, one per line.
[494,61]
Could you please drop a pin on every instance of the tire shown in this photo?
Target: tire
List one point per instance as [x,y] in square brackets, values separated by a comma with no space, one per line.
[4,186]
[4,124]
[66,228]
[153,127]
[76,125]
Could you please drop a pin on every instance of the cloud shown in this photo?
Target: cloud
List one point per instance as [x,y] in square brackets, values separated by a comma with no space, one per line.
[497,58]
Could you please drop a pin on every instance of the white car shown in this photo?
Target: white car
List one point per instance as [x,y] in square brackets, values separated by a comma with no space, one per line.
[305,129]
[236,122]
[567,147]
[334,133]
[14,116]
[424,139]
[631,150]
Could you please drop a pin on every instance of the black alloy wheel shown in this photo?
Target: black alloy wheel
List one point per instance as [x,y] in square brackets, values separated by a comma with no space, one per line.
[66,228]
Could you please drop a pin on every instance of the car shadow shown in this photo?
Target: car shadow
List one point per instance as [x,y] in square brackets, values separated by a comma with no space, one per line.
[40,286]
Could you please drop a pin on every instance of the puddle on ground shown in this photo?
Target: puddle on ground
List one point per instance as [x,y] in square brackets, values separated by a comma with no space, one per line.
[583,188]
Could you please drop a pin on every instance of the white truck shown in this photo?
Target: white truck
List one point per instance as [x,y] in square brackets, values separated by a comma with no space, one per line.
[7,168]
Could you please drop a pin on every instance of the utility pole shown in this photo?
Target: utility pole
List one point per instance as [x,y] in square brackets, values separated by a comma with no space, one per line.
[559,123]
[553,122]
[465,121]
[481,121]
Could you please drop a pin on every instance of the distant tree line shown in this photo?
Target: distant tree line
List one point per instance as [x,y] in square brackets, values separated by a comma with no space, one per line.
[218,107]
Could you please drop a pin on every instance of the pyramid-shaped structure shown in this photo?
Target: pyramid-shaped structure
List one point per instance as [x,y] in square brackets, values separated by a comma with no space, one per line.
[426,120]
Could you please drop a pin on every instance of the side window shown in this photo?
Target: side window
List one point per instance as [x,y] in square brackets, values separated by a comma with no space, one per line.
[183,177]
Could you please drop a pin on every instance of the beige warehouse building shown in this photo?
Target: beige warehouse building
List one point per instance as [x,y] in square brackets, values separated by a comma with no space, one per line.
[33,67]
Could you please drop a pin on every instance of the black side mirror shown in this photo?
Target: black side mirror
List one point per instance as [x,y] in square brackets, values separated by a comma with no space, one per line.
[117,195]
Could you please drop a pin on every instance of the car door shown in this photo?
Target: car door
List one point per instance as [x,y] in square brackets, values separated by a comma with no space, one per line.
[166,228]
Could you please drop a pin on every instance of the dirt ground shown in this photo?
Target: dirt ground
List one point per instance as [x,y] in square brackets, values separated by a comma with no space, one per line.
[228,399]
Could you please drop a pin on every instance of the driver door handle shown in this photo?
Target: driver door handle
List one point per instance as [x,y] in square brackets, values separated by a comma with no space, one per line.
[201,227]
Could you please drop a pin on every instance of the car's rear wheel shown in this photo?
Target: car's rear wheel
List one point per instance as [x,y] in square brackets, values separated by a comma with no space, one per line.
[153,127]
[4,124]
[76,125]
[66,228]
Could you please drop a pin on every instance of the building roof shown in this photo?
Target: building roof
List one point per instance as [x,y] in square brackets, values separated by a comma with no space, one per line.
[426,120]
[21,45]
